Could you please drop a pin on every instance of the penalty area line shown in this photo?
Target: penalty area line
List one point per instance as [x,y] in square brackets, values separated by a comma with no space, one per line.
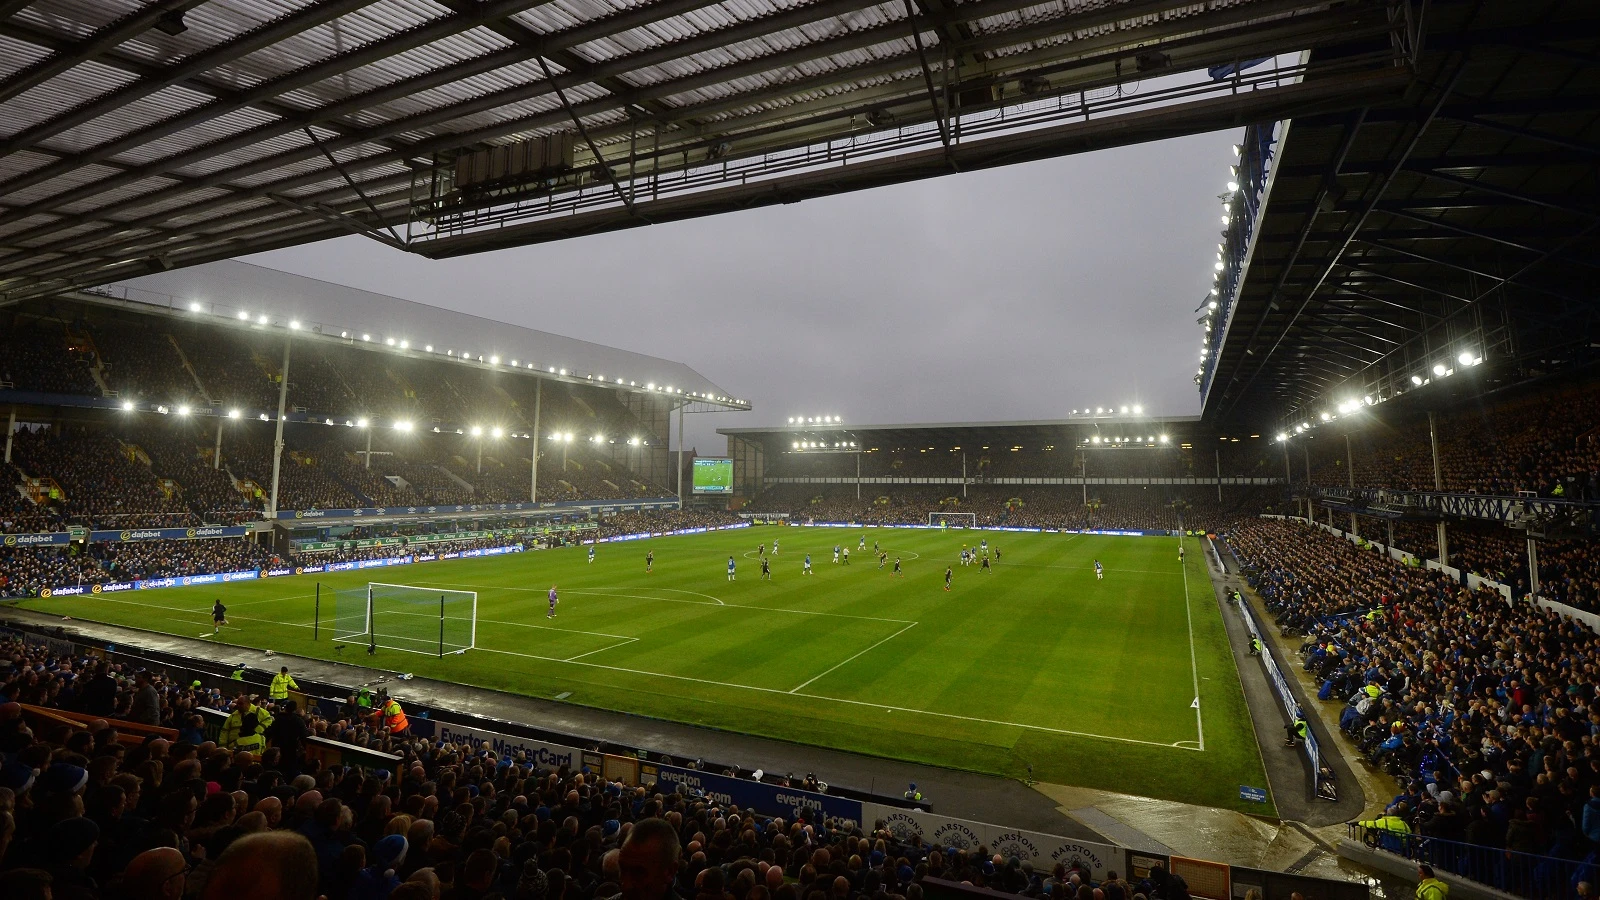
[854,656]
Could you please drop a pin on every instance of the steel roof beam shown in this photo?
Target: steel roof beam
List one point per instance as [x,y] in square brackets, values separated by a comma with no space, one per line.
[1487,236]
[1511,194]
[426,119]
[109,36]
[1545,137]
[242,45]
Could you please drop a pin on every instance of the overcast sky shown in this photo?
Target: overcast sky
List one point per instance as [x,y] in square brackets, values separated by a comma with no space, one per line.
[1013,293]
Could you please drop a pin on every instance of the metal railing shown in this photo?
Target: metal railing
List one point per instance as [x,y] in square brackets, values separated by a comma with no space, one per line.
[1523,874]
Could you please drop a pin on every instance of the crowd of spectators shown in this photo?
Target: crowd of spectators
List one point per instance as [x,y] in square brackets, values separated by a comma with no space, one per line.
[88,813]
[661,520]
[144,366]
[1484,710]
[101,482]
[1543,443]
[1108,507]
[36,355]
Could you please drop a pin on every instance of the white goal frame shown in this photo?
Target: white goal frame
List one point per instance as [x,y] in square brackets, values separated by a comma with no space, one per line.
[472,639]
[967,519]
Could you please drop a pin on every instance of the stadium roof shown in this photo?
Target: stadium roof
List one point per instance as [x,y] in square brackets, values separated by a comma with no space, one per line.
[242,293]
[1451,236]
[141,136]
[1113,429]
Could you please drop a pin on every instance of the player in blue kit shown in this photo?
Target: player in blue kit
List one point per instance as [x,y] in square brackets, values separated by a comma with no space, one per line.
[591,553]
[552,613]
[807,569]
[1099,571]
[730,568]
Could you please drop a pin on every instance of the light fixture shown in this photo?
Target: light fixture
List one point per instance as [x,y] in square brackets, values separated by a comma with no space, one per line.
[405,345]
[402,426]
[183,409]
[496,433]
[233,414]
[493,360]
[1233,186]
[389,341]
[1465,358]
[366,337]
[1416,379]
[1282,436]
[428,348]
[1439,370]
[477,430]
[361,422]
[294,324]
[194,307]
[127,406]
[262,319]
[244,316]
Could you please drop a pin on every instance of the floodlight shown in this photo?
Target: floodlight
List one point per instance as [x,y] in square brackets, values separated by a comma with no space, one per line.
[366,337]
[1213,304]
[796,445]
[361,422]
[1163,439]
[263,319]
[1138,410]
[428,348]
[651,386]
[1224,220]
[194,307]
[1217,265]
[1326,417]
[183,409]
[1098,410]
[1282,437]
[1439,370]
[1367,400]
[496,432]
[1233,186]
[633,442]
[389,341]
[514,364]
[1416,379]
[493,360]
[567,437]
[1465,358]
[233,414]
[477,430]
[264,418]
[405,345]
[1305,424]
[127,406]
[161,409]
[244,316]
[402,426]
[294,324]
[344,334]
[562,371]
[1237,149]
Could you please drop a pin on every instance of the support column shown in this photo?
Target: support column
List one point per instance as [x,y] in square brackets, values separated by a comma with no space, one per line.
[480,455]
[369,445]
[216,455]
[1083,470]
[1438,485]
[858,474]
[1391,533]
[277,441]
[1350,463]
[533,482]
[1219,476]
[963,474]
[1533,567]
[1288,478]
[11,429]
[680,455]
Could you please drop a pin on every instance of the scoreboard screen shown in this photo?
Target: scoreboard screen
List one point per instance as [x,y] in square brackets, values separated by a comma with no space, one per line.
[713,476]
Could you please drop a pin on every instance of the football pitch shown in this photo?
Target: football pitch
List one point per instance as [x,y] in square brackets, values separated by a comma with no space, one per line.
[1125,683]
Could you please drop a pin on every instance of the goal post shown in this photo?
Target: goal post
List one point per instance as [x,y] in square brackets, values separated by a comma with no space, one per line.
[953,519]
[431,621]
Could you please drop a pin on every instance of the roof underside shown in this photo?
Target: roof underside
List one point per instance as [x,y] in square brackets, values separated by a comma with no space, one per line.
[1119,430]
[136,137]
[1402,242]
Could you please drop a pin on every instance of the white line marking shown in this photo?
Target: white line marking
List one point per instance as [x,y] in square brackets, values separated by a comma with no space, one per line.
[592,652]
[622,637]
[854,656]
[781,693]
[603,593]
[1194,665]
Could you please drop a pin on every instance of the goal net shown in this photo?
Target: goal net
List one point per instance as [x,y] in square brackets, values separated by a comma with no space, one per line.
[405,617]
[953,519]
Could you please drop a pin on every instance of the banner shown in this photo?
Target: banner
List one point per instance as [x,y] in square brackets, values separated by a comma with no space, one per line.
[561,506]
[126,535]
[1286,699]
[768,799]
[541,754]
[51,539]
[368,543]
[1043,850]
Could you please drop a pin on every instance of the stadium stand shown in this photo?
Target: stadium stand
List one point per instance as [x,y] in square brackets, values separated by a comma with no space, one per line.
[93,811]
[35,355]
[1480,708]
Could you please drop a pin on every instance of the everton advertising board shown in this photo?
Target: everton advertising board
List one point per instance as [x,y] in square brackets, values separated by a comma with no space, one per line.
[768,799]
[1043,850]
[541,754]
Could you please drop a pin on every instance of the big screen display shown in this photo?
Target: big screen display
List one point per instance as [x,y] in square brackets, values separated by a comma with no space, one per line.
[713,476]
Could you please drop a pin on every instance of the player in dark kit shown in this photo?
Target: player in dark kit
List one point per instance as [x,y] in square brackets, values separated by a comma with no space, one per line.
[219,616]
[897,572]
[984,567]
[949,573]
[649,561]
[766,569]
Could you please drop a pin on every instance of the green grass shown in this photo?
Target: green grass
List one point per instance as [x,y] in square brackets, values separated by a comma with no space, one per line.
[1091,682]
